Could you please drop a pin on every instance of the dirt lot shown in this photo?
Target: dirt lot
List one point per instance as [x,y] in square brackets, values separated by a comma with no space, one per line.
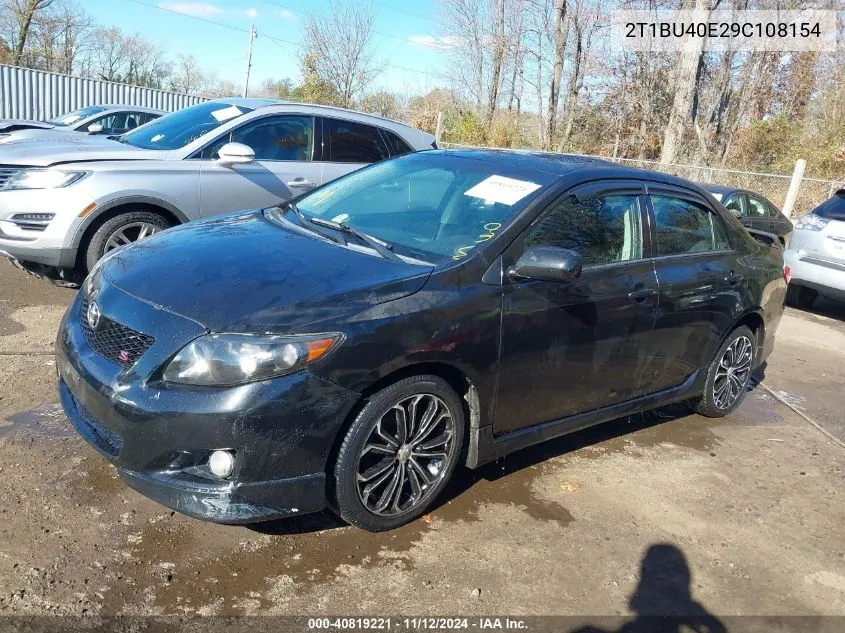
[661,512]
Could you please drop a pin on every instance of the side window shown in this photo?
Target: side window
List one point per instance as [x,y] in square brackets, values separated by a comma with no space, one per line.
[350,142]
[280,138]
[288,138]
[736,205]
[604,230]
[396,144]
[111,122]
[757,208]
[146,117]
[684,227]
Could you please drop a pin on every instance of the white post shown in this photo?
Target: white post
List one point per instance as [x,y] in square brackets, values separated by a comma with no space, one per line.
[252,36]
[794,184]
[439,129]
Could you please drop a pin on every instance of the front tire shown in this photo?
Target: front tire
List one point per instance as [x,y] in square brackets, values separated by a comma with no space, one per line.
[120,230]
[399,453]
[728,375]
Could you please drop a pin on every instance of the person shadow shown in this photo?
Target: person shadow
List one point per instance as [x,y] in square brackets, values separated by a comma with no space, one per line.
[663,600]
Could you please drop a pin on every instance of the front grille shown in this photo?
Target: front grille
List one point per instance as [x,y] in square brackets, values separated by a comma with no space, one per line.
[6,172]
[115,341]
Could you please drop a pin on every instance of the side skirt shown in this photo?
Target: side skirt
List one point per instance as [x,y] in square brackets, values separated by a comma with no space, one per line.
[484,447]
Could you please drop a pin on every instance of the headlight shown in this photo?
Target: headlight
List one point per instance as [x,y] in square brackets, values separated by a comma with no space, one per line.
[42,179]
[811,222]
[233,359]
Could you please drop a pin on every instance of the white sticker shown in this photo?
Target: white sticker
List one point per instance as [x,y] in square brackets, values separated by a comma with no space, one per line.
[225,114]
[718,196]
[343,217]
[500,189]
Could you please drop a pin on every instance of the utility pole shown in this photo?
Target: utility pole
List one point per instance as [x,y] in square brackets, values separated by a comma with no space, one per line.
[252,36]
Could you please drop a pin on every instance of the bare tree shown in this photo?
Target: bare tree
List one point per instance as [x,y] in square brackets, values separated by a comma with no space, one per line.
[24,12]
[686,84]
[560,34]
[339,48]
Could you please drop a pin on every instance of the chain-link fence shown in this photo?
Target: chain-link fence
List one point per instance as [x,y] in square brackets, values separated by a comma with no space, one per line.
[811,191]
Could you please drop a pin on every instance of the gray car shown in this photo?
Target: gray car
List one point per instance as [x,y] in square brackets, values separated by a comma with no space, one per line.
[815,259]
[99,119]
[64,202]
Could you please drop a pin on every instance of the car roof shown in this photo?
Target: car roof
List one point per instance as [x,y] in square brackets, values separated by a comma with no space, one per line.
[126,106]
[257,102]
[720,189]
[579,168]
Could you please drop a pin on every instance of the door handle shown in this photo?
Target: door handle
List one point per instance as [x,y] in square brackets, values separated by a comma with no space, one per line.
[640,296]
[300,182]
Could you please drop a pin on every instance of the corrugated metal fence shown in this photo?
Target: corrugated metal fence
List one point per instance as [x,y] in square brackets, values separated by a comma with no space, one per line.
[35,94]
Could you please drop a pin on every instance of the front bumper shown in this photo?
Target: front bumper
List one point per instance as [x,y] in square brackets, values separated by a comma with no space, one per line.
[282,430]
[52,246]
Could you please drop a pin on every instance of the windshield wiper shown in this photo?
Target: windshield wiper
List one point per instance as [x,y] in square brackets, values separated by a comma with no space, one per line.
[304,220]
[379,246]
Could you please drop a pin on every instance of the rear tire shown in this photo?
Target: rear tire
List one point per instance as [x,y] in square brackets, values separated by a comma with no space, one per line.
[728,375]
[398,454]
[800,296]
[122,229]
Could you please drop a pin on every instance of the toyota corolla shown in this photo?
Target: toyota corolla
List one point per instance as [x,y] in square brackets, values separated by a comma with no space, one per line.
[353,347]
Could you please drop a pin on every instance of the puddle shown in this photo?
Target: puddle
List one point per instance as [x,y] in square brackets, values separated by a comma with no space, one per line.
[163,563]
[45,422]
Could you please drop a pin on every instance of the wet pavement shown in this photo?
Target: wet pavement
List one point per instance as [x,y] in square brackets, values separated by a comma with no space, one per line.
[752,505]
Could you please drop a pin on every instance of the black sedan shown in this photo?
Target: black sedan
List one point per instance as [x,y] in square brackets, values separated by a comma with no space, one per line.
[753,210]
[437,310]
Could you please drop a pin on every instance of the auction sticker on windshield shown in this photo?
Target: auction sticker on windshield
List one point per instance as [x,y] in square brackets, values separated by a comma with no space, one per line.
[501,189]
[224,114]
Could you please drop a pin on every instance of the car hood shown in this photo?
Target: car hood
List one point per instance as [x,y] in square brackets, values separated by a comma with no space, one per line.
[56,149]
[8,125]
[244,273]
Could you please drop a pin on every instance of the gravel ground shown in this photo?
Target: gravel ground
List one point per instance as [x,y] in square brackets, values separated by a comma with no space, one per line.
[664,512]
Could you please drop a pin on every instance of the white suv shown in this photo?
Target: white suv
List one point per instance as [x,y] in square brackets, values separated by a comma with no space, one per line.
[64,202]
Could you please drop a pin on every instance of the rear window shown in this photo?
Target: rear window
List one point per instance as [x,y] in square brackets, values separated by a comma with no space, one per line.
[397,145]
[351,142]
[833,209]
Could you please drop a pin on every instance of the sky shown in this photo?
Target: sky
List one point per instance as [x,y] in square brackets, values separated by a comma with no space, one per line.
[216,33]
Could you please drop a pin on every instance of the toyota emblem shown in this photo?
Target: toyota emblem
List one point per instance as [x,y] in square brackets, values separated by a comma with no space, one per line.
[93,315]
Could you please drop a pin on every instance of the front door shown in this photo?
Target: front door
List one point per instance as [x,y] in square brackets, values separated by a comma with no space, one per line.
[569,348]
[700,279]
[283,167]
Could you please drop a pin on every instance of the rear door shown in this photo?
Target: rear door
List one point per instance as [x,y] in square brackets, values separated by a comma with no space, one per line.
[349,145]
[698,277]
[570,348]
[283,167]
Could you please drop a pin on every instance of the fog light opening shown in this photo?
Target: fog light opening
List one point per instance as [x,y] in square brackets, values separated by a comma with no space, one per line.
[221,463]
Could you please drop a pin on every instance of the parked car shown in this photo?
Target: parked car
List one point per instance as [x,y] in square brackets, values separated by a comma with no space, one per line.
[753,210]
[65,203]
[816,255]
[101,119]
[351,349]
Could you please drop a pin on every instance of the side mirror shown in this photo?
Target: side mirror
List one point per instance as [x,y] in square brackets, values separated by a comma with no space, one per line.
[735,212]
[235,154]
[548,263]
[95,128]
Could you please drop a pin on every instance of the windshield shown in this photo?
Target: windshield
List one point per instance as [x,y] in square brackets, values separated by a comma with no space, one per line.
[72,117]
[431,206]
[177,129]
